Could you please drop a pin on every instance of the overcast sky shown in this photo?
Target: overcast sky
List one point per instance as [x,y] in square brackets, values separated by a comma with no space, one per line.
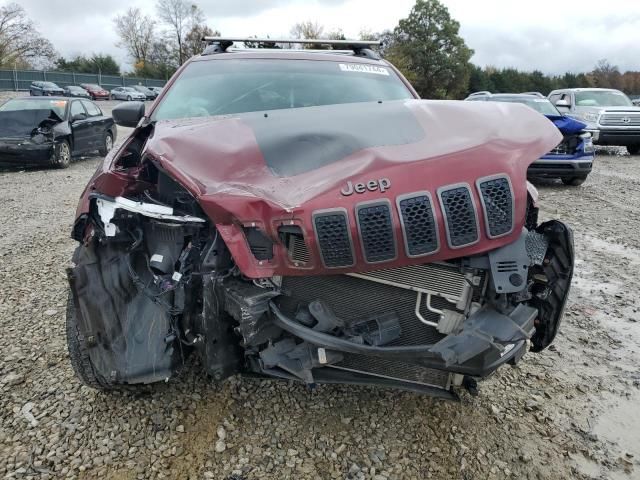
[548,35]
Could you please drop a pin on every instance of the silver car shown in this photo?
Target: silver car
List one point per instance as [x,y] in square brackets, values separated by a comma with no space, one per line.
[127,93]
[611,117]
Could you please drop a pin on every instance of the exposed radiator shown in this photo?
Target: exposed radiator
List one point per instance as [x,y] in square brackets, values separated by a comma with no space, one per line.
[355,297]
[432,278]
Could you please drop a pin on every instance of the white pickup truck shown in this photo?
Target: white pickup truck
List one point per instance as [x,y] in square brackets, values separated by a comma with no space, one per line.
[609,114]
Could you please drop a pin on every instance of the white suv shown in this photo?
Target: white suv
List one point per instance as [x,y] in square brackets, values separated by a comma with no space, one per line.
[610,116]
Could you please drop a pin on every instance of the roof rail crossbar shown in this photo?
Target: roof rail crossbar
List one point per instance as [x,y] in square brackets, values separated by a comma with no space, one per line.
[359,47]
[537,94]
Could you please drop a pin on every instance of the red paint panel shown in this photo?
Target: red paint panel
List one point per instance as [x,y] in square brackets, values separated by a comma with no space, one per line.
[219,161]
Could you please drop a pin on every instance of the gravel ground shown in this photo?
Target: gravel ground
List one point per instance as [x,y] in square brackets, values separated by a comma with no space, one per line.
[572,412]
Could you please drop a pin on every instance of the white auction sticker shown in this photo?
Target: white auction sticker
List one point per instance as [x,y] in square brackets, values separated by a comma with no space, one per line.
[363,68]
[156,258]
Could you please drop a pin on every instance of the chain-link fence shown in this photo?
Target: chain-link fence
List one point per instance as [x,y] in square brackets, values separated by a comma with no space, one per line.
[21,79]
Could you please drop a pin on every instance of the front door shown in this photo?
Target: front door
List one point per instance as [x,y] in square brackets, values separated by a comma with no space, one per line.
[81,127]
[97,124]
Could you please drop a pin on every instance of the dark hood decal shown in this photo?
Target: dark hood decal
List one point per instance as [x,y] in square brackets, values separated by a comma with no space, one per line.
[299,140]
[21,123]
[222,159]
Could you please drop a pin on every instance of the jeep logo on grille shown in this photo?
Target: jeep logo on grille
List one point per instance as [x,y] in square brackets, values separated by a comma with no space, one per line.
[382,184]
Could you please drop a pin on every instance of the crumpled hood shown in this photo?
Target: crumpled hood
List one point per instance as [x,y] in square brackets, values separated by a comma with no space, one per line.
[287,158]
[567,125]
[20,123]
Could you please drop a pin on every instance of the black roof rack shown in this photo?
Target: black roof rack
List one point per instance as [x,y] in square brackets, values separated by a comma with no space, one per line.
[360,48]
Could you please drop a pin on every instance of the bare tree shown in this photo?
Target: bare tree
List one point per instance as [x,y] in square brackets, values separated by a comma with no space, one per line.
[367,35]
[20,41]
[181,16]
[606,75]
[336,35]
[307,30]
[137,34]
[161,63]
[193,39]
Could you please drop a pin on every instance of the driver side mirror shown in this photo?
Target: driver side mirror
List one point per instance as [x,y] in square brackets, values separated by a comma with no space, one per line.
[78,116]
[563,104]
[128,114]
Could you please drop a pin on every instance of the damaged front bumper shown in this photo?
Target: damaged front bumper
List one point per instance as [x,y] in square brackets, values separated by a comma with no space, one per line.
[561,166]
[26,152]
[488,340]
[497,330]
[152,284]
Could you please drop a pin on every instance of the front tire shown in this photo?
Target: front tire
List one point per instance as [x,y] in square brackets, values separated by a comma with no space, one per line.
[574,181]
[62,155]
[78,350]
[107,145]
[78,347]
[128,98]
[633,149]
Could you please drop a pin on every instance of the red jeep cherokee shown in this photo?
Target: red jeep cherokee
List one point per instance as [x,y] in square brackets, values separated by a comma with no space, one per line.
[304,215]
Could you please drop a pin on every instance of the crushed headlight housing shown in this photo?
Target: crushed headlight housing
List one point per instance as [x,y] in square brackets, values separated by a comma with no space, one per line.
[587,143]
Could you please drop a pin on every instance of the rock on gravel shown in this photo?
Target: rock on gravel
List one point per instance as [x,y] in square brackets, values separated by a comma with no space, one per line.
[13,379]
[562,414]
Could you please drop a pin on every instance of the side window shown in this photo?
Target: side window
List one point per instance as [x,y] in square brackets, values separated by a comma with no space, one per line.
[92,109]
[567,97]
[555,97]
[77,108]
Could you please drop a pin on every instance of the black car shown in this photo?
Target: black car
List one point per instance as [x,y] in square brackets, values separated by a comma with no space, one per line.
[44,89]
[150,94]
[49,131]
[78,92]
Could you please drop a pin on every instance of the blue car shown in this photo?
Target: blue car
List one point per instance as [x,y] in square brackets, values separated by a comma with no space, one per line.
[571,161]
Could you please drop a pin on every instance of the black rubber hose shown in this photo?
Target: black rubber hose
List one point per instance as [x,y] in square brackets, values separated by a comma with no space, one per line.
[341,345]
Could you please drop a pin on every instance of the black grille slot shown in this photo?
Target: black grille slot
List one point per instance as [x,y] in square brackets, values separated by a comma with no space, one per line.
[462,227]
[498,206]
[376,232]
[420,233]
[332,231]
[298,251]
[259,244]
[293,238]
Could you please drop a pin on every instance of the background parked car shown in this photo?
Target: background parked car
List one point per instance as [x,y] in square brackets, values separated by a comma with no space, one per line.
[571,161]
[44,88]
[50,131]
[156,90]
[127,93]
[609,115]
[148,93]
[74,91]
[95,91]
